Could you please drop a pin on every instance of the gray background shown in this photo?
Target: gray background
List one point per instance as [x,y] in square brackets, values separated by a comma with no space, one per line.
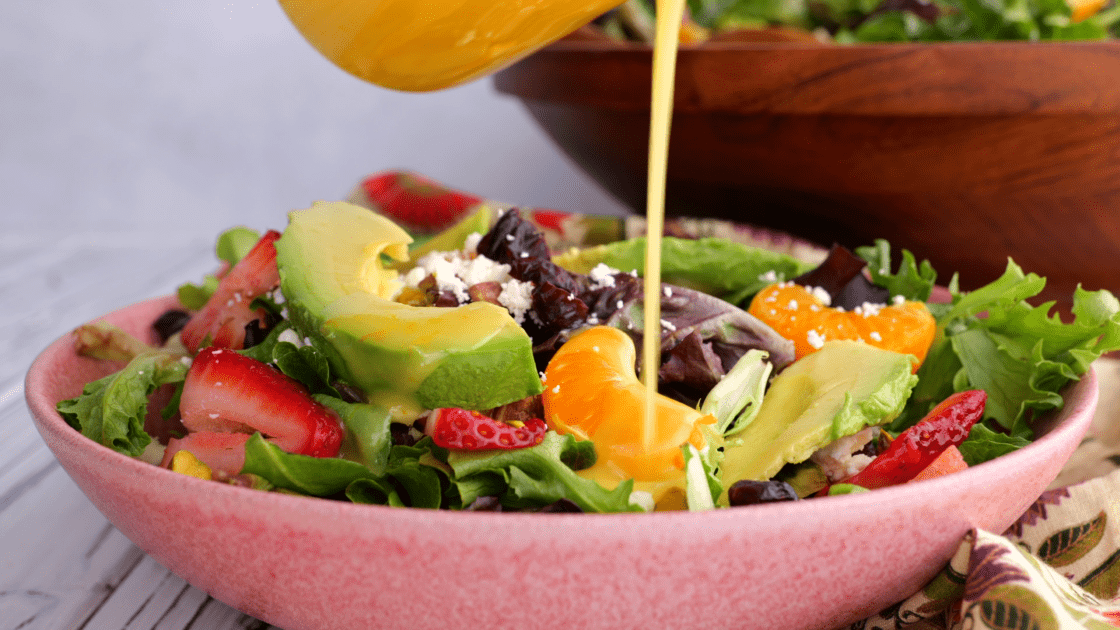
[177,119]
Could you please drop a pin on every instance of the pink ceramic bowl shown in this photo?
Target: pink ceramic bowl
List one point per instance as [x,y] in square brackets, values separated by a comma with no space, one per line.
[303,563]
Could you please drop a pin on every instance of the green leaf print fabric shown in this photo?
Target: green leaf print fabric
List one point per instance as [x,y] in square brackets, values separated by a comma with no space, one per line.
[1056,568]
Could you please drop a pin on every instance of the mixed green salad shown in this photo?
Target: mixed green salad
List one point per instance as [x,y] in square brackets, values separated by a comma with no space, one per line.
[482,371]
[862,21]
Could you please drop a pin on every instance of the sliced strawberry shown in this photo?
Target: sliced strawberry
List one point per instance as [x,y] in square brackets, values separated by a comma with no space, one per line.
[226,314]
[420,205]
[472,431]
[223,452]
[226,392]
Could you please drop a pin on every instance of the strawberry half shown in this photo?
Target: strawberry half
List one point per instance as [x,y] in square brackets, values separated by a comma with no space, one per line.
[472,431]
[226,314]
[418,204]
[226,392]
[223,452]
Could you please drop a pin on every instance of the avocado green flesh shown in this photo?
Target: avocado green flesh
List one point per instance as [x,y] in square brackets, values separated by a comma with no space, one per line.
[833,392]
[413,358]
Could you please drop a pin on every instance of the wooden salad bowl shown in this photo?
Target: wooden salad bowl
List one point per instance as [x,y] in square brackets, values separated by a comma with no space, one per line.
[964,153]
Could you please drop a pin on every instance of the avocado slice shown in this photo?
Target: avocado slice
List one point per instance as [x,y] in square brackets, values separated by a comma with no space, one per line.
[833,392]
[339,292]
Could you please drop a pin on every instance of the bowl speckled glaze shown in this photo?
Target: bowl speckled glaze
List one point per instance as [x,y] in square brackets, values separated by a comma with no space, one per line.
[303,563]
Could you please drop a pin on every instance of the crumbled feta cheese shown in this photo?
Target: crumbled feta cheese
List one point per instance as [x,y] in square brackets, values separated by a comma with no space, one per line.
[289,336]
[875,335]
[814,307]
[668,325]
[482,269]
[456,272]
[792,305]
[668,291]
[620,304]
[415,276]
[867,309]
[821,295]
[769,276]
[602,276]
[898,300]
[517,297]
[470,244]
[595,348]
[544,377]
[642,499]
[771,298]
[815,339]
[556,390]
[592,320]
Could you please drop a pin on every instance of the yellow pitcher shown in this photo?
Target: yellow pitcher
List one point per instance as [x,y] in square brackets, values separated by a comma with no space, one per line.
[421,45]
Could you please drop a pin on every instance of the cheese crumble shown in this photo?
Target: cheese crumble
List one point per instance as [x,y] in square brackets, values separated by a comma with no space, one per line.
[602,276]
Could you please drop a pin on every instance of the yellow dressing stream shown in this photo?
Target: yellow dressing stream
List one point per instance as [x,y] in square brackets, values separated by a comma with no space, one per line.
[669,16]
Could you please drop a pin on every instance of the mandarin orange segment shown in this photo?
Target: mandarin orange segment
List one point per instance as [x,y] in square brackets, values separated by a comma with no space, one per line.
[592,392]
[800,315]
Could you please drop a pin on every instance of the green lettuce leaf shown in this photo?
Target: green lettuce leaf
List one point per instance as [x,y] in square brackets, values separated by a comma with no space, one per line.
[306,364]
[537,476]
[368,439]
[236,243]
[737,397]
[726,269]
[315,476]
[984,444]
[111,410]
[415,477]
[263,351]
[1022,355]
[702,486]
[911,281]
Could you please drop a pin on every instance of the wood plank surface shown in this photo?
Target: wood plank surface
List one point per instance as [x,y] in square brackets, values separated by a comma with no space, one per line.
[63,566]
